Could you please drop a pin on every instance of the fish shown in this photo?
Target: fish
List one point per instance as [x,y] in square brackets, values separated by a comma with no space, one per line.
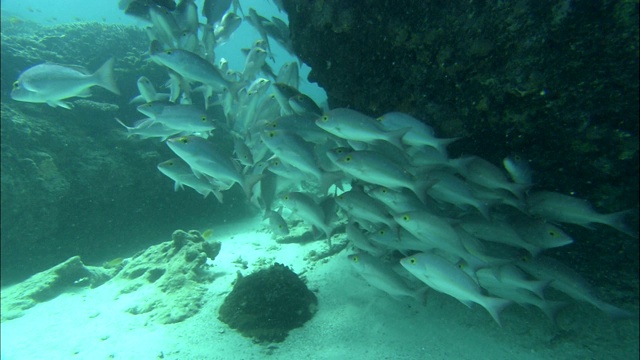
[496,231]
[291,149]
[375,168]
[562,208]
[303,104]
[435,231]
[191,66]
[307,209]
[494,286]
[228,25]
[419,133]
[539,232]
[186,15]
[446,277]
[188,118]
[451,189]
[51,83]
[398,201]
[253,63]
[566,280]
[148,92]
[205,159]
[359,240]
[149,128]
[481,172]
[519,169]
[381,276]
[277,224]
[283,93]
[364,209]
[178,171]
[289,74]
[214,10]
[355,126]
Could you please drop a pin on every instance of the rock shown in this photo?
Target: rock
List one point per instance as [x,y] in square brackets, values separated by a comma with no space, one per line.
[267,304]
[67,276]
[172,275]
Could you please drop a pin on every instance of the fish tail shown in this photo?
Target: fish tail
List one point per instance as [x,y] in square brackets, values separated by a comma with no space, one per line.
[615,313]
[494,306]
[617,220]
[538,287]
[104,77]
[551,309]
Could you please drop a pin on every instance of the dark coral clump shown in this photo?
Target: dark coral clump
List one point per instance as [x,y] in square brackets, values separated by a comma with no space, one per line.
[267,304]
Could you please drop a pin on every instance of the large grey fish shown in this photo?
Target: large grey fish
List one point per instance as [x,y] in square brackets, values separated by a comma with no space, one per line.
[568,209]
[352,125]
[51,83]
[178,171]
[191,66]
[569,282]
[149,128]
[204,158]
[446,277]
[381,276]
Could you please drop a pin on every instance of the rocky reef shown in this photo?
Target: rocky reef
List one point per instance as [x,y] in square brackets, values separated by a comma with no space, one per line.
[556,83]
[172,275]
[267,304]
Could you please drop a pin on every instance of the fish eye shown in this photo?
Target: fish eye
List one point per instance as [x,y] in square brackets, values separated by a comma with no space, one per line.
[286,197]
[169,52]
[170,163]
[203,118]
[272,134]
[325,118]
[355,259]
[384,190]
[413,261]
[552,233]
[406,218]
[16,85]
[184,140]
[347,158]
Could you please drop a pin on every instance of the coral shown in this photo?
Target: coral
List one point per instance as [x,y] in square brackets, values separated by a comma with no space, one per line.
[267,304]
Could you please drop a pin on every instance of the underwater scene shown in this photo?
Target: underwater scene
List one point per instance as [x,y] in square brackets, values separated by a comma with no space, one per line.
[298,179]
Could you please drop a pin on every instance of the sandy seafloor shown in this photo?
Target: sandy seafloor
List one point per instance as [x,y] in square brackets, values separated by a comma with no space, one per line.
[354,321]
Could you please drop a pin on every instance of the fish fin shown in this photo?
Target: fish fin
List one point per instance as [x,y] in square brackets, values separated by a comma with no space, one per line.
[123,124]
[177,185]
[551,309]
[537,287]
[615,313]
[104,77]
[395,137]
[617,220]
[56,103]
[494,306]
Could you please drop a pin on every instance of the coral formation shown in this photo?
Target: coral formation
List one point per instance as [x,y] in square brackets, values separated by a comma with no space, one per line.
[267,304]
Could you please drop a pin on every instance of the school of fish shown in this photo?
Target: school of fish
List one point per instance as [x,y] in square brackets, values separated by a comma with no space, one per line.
[463,226]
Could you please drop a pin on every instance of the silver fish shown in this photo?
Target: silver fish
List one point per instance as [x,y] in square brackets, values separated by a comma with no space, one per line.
[191,66]
[568,209]
[51,83]
[381,276]
[352,125]
[446,277]
[178,171]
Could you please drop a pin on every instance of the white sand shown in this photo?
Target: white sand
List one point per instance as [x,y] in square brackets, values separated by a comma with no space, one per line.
[354,321]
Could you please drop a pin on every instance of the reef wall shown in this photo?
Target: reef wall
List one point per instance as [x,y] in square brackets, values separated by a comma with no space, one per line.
[556,82]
